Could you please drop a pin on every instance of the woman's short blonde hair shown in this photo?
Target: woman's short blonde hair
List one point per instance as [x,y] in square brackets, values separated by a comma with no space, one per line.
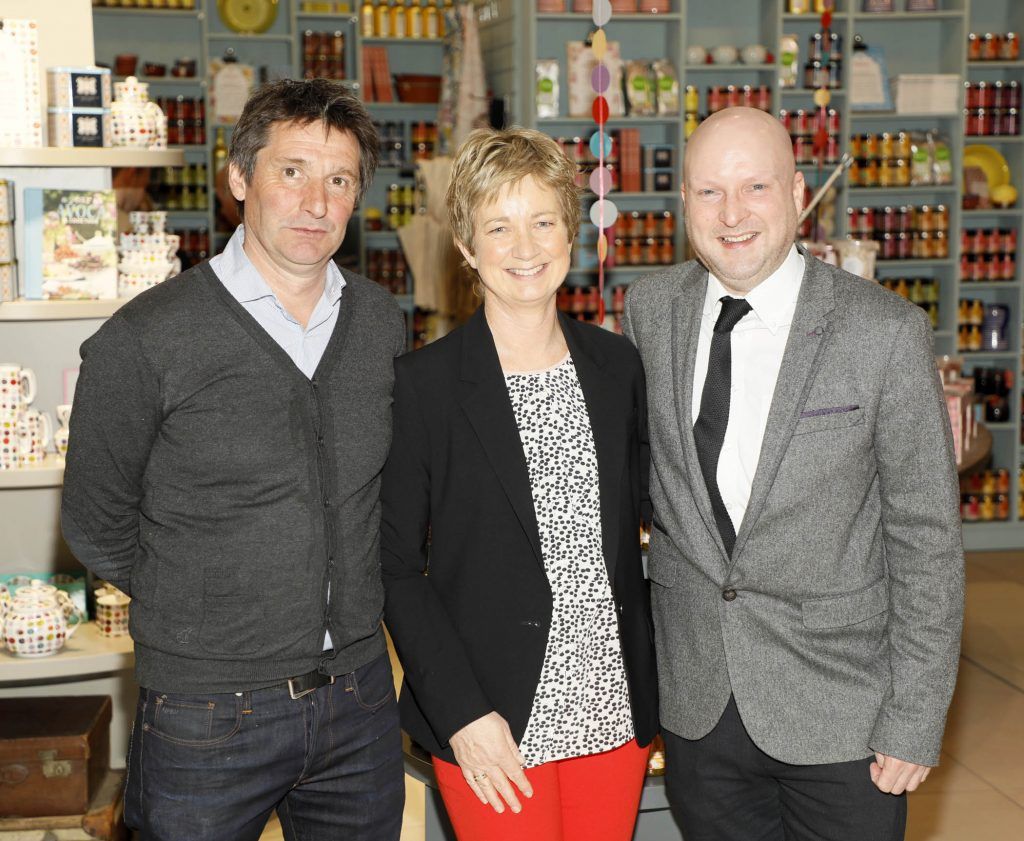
[489,160]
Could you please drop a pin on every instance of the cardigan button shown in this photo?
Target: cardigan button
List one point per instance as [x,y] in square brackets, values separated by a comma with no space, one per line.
[729,595]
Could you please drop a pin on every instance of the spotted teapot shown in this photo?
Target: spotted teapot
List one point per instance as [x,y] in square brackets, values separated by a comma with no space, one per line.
[37,620]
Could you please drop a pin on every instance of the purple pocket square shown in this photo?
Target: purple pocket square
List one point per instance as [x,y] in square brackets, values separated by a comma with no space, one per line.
[834,410]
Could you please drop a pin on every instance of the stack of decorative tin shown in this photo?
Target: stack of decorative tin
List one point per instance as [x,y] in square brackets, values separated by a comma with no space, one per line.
[79,110]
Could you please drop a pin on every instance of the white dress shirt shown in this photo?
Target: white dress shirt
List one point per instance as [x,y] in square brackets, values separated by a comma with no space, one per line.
[758,343]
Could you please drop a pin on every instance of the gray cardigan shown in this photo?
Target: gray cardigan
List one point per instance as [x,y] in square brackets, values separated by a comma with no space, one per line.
[224,490]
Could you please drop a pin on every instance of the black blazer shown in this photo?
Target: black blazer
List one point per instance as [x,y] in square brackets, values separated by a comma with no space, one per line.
[471,630]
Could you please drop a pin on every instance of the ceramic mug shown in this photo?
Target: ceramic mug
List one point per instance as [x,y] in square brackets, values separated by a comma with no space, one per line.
[17,383]
[112,613]
[63,435]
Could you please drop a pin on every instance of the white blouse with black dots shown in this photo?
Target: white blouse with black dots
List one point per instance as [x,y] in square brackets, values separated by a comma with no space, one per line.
[582,705]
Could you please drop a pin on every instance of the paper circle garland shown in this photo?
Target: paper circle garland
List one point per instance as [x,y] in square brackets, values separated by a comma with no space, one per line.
[597,140]
[603,213]
[601,180]
[602,12]
[600,78]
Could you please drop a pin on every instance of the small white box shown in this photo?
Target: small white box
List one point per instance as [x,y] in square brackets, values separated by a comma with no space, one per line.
[927,93]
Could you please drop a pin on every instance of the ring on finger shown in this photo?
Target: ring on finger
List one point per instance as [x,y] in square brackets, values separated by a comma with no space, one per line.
[481,777]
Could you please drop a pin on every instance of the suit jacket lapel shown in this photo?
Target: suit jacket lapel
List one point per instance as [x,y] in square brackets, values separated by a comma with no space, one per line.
[601,394]
[487,405]
[687,309]
[807,336]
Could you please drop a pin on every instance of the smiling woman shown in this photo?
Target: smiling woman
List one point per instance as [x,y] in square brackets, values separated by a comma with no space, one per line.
[517,440]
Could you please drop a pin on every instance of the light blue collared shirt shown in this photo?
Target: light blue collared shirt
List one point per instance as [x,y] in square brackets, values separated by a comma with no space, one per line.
[305,346]
[247,286]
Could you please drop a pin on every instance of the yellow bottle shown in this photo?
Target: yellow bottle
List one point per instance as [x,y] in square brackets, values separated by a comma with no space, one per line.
[398,20]
[414,20]
[442,24]
[366,26]
[382,21]
[430,20]
[220,151]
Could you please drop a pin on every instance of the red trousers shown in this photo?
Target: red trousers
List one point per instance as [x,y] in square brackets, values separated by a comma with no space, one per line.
[590,798]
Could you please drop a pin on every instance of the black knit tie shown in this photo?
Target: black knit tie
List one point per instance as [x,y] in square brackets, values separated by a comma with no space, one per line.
[709,431]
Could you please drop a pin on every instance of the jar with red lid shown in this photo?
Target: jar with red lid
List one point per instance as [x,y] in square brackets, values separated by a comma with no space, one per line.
[965,266]
[1009,236]
[888,250]
[666,253]
[732,96]
[970,508]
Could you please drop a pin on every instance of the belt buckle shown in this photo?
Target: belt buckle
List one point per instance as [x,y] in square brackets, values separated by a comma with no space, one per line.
[295,696]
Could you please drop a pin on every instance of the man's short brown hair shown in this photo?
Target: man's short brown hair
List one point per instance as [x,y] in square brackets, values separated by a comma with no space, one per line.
[303,102]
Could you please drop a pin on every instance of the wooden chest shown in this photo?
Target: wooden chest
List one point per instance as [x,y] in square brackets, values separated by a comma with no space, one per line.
[54,752]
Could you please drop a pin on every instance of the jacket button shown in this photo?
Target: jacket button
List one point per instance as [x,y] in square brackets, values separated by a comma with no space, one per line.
[729,595]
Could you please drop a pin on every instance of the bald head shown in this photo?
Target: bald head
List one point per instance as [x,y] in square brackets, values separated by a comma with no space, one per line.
[741,196]
[743,129]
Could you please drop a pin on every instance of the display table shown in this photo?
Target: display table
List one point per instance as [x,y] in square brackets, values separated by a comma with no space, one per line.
[654,822]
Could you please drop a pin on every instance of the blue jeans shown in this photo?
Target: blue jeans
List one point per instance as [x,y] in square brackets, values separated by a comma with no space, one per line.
[213,767]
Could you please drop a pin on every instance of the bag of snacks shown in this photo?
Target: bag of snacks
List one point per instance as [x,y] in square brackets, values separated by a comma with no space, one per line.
[640,95]
[547,87]
[920,159]
[942,160]
[667,82]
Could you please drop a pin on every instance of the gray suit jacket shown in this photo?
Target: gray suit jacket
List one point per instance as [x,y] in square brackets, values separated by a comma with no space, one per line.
[844,636]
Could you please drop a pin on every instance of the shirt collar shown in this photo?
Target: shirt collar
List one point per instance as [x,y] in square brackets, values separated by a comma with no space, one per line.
[773,300]
[246,284]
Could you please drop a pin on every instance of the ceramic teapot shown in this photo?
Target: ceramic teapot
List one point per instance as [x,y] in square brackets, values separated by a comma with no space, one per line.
[38,620]
[136,121]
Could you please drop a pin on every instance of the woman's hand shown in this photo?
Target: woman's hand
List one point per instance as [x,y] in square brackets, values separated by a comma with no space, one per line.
[490,761]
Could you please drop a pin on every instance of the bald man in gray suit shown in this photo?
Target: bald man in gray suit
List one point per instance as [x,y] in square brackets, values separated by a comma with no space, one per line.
[806,554]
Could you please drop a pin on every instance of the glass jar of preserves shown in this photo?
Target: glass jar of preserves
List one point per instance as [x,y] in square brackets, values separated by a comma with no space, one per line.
[940,245]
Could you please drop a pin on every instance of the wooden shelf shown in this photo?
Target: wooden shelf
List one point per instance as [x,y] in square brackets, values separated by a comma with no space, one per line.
[56,157]
[49,475]
[87,653]
[885,17]
[901,115]
[437,42]
[59,310]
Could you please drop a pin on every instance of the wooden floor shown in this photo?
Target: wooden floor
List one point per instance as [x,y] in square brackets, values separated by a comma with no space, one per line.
[977,793]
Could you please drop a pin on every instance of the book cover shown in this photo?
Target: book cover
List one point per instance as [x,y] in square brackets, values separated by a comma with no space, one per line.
[70,244]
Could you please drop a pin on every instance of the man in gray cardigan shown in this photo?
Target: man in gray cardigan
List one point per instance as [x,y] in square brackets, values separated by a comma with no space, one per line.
[806,555]
[229,431]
